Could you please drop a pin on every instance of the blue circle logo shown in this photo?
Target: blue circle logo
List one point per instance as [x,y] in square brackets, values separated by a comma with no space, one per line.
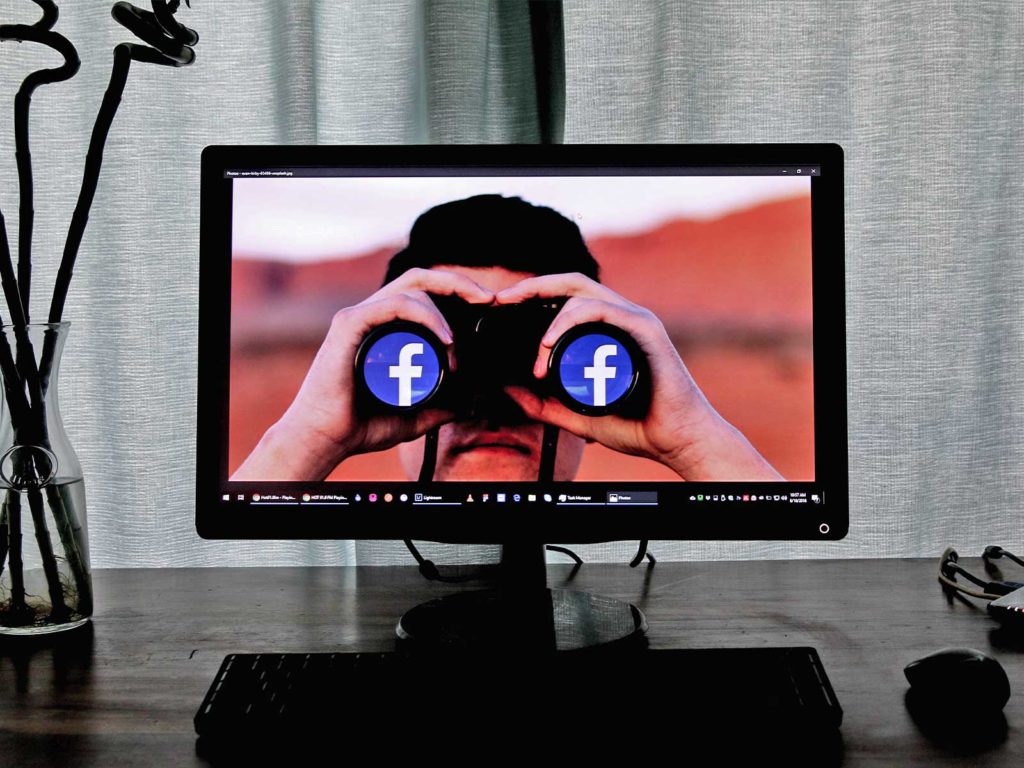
[401,369]
[595,370]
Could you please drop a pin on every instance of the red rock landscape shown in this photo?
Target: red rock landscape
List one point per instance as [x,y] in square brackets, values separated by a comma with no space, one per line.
[734,294]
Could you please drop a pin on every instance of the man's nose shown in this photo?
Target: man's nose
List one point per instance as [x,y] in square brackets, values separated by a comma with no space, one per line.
[496,409]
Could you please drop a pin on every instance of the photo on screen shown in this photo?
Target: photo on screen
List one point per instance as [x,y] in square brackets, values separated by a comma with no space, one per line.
[723,262]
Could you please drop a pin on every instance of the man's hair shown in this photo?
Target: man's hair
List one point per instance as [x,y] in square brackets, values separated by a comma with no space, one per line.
[495,231]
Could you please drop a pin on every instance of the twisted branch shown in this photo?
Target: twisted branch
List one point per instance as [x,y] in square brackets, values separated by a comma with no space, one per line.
[171,46]
[40,32]
[58,610]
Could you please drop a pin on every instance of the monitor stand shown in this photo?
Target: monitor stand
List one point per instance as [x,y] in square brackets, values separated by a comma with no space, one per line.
[521,614]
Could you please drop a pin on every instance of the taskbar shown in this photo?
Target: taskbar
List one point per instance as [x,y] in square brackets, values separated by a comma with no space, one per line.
[458,495]
[464,512]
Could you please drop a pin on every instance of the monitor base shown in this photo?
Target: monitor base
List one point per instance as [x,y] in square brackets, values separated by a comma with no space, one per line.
[544,620]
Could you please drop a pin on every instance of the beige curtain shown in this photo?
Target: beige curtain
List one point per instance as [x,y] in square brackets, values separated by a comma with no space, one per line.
[925,98]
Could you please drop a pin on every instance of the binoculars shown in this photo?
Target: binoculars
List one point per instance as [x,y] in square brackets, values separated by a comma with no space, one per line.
[595,368]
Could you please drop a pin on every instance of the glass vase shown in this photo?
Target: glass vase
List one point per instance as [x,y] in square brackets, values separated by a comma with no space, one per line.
[45,583]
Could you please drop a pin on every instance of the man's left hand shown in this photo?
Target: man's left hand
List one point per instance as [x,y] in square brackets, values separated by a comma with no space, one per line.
[681,429]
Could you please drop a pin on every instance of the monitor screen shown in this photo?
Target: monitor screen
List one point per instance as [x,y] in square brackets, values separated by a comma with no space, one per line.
[567,344]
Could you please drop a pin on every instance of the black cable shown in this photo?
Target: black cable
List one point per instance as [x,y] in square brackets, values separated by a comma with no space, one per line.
[961,571]
[429,455]
[565,551]
[427,567]
[429,570]
[949,570]
[642,552]
[994,553]
[549,447]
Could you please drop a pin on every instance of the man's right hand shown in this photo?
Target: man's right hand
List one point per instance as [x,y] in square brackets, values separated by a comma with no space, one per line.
[320,428]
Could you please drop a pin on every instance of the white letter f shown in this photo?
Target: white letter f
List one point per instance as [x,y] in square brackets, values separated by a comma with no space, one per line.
[405,372]
[600,372]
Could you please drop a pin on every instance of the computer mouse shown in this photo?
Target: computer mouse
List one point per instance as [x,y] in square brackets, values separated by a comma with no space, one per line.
[959,678]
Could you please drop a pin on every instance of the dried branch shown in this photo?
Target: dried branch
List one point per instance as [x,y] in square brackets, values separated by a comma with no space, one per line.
[4,533]
[59,611]
[40,32]
[171,46]
[18,605]
[8,282]
[72,537]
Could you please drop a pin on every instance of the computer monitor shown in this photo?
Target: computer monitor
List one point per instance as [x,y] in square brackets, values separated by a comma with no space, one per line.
[522,345]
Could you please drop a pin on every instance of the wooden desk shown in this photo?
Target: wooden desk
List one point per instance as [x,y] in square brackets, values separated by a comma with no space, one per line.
[124,694]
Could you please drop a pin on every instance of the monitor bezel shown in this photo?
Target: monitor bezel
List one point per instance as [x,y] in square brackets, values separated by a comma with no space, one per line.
[217,518]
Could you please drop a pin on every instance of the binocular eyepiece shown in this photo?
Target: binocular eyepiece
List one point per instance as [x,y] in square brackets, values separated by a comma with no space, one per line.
[595,368]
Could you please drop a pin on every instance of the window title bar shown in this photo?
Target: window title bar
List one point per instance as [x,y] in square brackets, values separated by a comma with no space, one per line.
[322,172]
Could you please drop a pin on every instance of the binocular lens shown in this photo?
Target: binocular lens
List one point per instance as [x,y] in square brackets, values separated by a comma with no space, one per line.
[596,370]
[401,368]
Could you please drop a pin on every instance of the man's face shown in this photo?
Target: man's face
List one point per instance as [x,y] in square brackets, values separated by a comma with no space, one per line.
[473,450]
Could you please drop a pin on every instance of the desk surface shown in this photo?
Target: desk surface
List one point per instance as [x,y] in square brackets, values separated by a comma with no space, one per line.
[125,692]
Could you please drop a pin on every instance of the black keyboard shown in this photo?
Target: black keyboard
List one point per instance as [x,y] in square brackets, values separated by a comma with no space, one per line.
[289,698]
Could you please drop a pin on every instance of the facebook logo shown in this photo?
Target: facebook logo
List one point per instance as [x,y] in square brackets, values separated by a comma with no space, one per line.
[596,370]
[401,369]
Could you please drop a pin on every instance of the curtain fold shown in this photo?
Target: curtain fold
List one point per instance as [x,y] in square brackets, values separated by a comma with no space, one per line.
[548,38]
[925,98]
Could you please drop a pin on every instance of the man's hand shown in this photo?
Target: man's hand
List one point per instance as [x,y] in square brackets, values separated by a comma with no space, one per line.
[681,429]
[320,428]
